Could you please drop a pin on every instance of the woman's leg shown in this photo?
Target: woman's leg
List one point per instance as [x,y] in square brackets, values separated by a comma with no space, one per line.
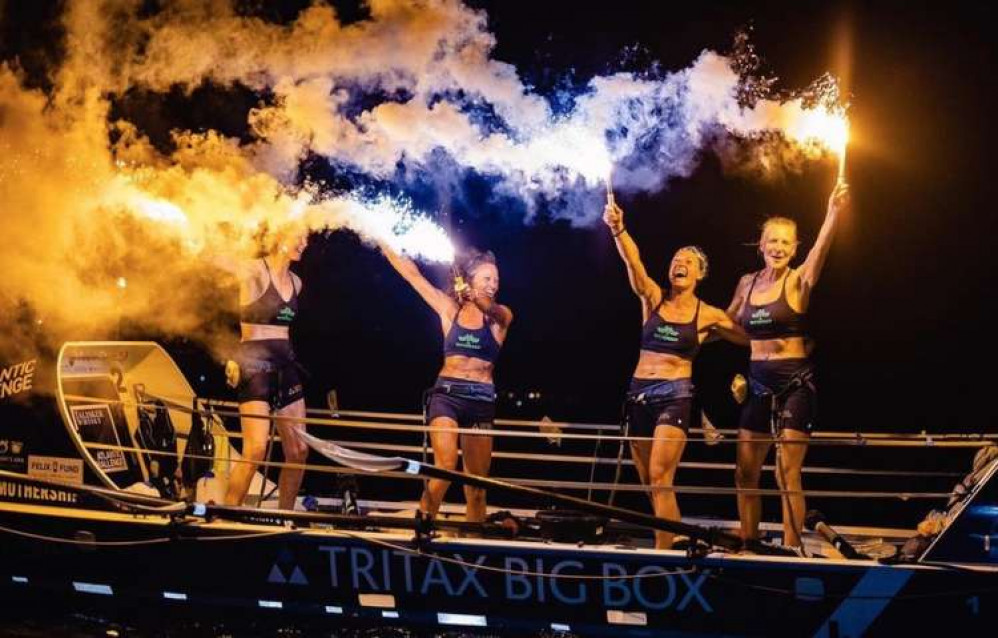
[666,451]
[254,421]
[639,424]
[443,438]
[790,460]
[641,454]
[751,454]
[295,451]
[477,452]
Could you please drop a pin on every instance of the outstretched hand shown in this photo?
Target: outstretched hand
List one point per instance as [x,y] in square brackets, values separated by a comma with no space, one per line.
[613,217]
[840,200]
[462,290]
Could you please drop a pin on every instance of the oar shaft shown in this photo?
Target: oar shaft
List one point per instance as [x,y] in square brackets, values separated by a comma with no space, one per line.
[709,535]
[234,513]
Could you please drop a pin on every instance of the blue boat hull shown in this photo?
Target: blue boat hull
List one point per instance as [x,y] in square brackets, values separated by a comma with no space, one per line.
[66,542]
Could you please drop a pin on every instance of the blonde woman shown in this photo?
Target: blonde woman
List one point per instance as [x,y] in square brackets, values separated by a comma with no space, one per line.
[771,305]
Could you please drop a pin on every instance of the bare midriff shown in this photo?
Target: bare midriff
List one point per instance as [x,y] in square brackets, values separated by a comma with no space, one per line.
[260,332]
[468,368]
[661,365]
[786,348]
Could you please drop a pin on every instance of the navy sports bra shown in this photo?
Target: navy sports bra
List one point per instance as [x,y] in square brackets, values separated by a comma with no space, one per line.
[666,337]
[478,343]
[270,309]
[774,320]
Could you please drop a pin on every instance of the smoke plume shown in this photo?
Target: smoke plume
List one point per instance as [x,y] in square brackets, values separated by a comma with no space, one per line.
[102,223]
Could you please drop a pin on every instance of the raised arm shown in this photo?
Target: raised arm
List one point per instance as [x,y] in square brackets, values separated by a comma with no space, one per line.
[723,326]
[738,299]
[810,270]
[249,273]
[441,303]
[495,311]
[642,285]
[240,267]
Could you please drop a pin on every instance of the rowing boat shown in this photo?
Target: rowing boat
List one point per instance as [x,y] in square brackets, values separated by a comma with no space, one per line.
[92,511]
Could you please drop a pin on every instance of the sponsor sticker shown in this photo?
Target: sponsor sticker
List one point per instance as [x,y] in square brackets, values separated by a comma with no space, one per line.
[56,468]
[12,455]
[96,425]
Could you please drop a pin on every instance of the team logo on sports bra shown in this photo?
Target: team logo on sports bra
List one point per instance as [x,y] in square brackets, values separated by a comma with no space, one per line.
[285,314]
[666,333]
[469,341]
[760,317]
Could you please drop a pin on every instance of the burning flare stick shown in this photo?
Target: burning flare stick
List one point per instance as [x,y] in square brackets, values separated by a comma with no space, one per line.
[842,154]
[826,126]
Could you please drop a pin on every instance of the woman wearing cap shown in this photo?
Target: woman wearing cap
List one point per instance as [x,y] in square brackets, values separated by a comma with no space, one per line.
[770,305]
[674,325]
[474,326]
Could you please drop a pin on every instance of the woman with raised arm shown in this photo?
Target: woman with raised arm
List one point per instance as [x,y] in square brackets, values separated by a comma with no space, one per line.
[265,373]
[771,305]
[474,326]
[674,325]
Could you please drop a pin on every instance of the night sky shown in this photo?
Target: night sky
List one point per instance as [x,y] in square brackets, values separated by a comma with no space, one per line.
[899,314]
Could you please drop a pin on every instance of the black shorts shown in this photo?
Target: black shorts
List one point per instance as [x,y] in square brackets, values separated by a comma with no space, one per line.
[798,405]
[469,403]
[654,402]
[269,372]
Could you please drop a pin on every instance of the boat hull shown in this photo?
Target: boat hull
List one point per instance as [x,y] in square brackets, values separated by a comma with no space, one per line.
[67,543]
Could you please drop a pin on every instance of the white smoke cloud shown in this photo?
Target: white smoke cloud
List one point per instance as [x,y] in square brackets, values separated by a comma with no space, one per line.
[437,54]
[434,58]
[415,80]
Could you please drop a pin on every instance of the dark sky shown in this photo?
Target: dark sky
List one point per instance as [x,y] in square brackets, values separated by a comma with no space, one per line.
[899,312]
[899,315]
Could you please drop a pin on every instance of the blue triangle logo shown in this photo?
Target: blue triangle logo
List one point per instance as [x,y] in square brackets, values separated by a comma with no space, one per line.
[276,576]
